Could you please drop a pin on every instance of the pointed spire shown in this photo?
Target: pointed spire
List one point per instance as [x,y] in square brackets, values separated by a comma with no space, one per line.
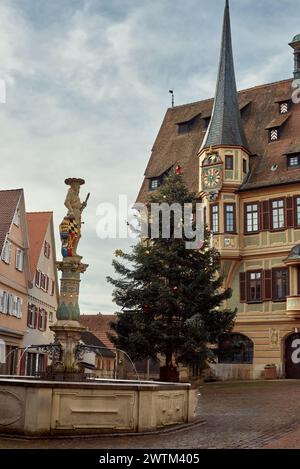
[226,127]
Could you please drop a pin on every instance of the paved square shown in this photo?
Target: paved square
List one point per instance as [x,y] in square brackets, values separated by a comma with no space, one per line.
[238,415]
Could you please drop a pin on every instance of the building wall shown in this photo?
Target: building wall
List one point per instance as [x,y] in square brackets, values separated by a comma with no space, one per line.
[267,323]
[12,281]
[42,300]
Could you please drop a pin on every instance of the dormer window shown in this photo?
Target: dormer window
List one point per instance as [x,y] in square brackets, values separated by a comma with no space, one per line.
[293,161]
[154,184]
[187,126]
[274,135]
[284,107]
[206,122]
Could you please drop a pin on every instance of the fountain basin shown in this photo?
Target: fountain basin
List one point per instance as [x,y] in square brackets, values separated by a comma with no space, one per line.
[36,407]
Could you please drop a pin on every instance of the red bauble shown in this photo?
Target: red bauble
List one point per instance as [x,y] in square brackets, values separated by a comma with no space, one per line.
[178,169]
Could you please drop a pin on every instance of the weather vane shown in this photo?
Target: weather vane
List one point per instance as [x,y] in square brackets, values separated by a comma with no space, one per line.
[172,93]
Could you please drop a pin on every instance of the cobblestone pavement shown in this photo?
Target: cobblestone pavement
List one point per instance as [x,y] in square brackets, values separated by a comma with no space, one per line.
[237,415]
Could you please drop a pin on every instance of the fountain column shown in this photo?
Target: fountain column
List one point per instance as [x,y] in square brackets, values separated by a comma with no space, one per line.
[67,329]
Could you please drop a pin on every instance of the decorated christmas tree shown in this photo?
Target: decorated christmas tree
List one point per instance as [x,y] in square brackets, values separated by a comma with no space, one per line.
[171,296]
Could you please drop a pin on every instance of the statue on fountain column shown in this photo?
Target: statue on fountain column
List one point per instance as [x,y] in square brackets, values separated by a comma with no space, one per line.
[70,227]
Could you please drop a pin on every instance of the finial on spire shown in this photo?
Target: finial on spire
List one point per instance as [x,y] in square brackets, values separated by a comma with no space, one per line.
[226,126]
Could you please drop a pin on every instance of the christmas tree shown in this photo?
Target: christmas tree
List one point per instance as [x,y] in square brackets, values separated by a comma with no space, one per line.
[171,297]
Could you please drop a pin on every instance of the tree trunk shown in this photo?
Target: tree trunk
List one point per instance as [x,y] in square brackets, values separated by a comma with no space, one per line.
[169,373]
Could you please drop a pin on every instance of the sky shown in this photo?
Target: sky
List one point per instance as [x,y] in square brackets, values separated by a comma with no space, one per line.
[87,87]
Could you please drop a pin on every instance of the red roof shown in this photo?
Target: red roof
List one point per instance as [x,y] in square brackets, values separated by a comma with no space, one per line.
[8,204]
[98,324]
[38,223]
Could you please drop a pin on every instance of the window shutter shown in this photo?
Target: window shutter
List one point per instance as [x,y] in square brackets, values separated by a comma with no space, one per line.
[5,302]
[268,285]
[40,318]
[29,315]
[1,301]
[9,252]
[20,303]
[243,287]
[265,215]
[45,320]
[290,216]
[37,278]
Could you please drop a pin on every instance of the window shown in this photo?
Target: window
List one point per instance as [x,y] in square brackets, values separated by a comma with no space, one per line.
[206,122]
[10,367]
[277,218]
[229,162]
[42,319]
[10,304]
[235,348]
[230,218]
[273,135]
[17,217]
[251,218]
[255,287]
[215,218]
[50,316]
[19,259]
[154,184]
[17,307]
[38,278]
[47,250]
[280,284]
[4,302]
[293,161]
[44,282]
[186,127]
[297,203]
[32,316]
[42,360]
[6,252]
[31,363]
[245,166]
[284,107]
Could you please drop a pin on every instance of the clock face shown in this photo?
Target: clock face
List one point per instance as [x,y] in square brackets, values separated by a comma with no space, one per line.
[212,178]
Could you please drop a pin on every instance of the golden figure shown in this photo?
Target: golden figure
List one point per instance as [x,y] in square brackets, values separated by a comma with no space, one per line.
[70,228]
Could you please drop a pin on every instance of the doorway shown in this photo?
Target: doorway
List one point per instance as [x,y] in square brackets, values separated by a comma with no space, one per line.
[292,356]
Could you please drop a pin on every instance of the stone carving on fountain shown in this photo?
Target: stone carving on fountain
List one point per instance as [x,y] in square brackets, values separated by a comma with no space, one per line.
[67,329]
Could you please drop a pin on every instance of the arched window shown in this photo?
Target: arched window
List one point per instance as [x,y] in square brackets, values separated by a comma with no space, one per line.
[235,348]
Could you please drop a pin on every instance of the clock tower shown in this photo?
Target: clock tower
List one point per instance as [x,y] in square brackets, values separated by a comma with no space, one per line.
[224,154]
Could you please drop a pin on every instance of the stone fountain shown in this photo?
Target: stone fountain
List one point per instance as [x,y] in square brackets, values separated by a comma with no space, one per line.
[63,400]
[67,329]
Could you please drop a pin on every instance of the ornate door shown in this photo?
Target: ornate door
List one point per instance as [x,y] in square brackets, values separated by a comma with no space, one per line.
[292,356]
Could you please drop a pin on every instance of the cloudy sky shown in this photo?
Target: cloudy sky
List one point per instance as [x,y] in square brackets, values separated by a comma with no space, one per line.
[87,89]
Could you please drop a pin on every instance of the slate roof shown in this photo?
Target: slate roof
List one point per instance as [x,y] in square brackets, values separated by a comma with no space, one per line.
[99,325]
[260,108]
[38,223]
[9,200]
[226,126]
